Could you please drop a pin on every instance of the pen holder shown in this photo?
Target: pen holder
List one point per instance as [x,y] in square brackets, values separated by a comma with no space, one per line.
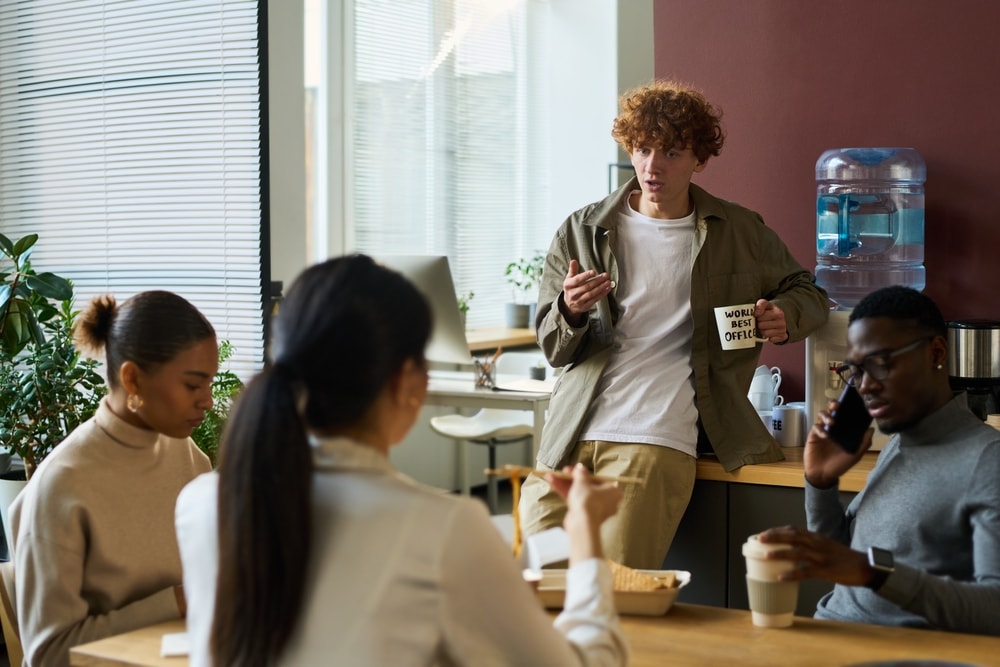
[486,374]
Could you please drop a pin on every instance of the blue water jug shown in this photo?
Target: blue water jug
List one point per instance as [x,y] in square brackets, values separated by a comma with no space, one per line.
[869,221]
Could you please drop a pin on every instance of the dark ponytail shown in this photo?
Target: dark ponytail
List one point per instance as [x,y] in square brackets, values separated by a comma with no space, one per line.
[344,329]
[264,523]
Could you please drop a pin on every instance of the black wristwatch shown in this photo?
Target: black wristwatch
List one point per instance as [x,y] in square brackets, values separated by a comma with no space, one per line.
[881,561]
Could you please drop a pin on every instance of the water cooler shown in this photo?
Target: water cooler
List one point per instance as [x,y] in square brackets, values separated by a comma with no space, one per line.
[869,234]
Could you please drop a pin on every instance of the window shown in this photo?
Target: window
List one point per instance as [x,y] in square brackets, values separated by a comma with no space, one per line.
[130,141]
[441,152]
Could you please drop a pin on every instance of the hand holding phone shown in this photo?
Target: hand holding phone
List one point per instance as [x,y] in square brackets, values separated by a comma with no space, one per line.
[850,420]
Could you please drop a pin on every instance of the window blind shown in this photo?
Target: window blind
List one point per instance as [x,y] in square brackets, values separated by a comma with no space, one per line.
[130,141]
[442,155]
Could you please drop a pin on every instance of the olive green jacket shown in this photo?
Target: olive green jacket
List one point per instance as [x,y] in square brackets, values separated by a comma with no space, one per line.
[737,259]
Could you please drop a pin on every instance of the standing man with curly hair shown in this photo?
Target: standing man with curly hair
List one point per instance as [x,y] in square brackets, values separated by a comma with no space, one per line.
[626,307]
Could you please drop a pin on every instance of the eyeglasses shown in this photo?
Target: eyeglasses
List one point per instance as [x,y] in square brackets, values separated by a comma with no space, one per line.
[877,365]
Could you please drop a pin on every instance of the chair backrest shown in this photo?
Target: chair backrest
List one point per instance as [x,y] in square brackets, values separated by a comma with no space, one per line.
[8,615]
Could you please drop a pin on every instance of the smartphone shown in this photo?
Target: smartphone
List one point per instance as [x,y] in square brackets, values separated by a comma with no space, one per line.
[850,420]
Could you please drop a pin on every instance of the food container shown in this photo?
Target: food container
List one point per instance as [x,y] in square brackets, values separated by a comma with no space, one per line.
[552,593]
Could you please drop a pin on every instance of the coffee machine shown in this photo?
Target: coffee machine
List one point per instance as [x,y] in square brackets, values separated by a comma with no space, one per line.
[974,363]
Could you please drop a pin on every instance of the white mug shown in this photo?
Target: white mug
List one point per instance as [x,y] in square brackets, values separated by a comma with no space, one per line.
[765,384]
[788,425]
[764,370]
[767,416]
[737,326]
[761,400]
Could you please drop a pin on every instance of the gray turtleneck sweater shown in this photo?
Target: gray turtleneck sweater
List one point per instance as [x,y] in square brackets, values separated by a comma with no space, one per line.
[933,500]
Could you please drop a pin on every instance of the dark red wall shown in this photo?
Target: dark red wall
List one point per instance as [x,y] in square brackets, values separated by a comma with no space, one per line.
[797,77]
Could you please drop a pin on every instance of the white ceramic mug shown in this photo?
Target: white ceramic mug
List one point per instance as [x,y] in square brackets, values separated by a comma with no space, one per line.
[788,423]
[737,326]
[769,383]
[761,400]
[763,392]
[764,370]
[767,416]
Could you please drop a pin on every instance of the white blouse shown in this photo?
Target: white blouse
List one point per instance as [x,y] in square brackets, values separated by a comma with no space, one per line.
[402,574]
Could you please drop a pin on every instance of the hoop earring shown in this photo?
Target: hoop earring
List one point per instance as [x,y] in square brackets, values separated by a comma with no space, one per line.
[134,402]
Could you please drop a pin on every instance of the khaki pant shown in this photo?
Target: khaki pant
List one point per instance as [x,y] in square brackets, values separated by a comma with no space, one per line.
[639,535]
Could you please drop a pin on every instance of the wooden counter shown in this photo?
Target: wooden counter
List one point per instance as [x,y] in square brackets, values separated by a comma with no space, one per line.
[783,473]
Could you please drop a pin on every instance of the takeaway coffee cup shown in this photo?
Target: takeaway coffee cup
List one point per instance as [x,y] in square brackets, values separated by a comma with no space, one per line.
[737,326]
[788,425]
[772,602]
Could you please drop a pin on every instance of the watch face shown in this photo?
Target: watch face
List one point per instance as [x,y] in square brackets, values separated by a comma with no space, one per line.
[880,558]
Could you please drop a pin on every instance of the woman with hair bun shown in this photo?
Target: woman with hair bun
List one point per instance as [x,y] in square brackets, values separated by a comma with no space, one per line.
[95,553]
[307,548]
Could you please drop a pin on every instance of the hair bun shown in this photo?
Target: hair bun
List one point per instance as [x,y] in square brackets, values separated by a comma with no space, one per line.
[93,326]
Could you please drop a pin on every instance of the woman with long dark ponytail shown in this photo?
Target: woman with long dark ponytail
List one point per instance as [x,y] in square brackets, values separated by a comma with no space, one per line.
[320,553]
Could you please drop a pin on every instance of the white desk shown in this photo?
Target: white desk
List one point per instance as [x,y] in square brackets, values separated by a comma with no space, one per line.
[457,389]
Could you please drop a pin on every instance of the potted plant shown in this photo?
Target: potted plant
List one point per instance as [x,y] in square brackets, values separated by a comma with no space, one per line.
[46,388]
[225,386]
[524,275]
[463,304]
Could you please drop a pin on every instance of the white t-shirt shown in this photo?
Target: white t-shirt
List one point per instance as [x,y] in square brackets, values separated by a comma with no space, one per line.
[405,575]
[646,394]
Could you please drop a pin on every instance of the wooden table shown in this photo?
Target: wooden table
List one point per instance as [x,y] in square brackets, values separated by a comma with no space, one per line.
[697,636]
[688,636]
[490,338]
[132,649]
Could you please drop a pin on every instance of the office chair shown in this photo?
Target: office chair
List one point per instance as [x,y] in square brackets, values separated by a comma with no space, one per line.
[490,427]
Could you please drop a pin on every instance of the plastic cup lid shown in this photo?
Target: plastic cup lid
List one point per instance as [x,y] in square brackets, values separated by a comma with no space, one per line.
[754,548]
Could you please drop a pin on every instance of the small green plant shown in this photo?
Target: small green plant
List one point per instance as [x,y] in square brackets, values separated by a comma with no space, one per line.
[225,386]
[463,301]
[524,275]
[46,387]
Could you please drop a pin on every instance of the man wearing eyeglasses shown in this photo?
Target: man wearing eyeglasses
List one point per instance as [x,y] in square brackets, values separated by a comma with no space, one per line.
[920,545]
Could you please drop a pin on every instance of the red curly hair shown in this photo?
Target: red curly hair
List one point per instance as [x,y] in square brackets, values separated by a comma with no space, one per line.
[668,114]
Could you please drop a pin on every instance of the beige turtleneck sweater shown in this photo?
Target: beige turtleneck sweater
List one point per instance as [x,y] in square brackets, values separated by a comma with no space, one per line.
[95,552]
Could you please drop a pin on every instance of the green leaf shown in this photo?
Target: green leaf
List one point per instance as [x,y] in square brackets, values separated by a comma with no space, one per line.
[6,246]
[17,321]
[46,389]
[51,286]
[23,244]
